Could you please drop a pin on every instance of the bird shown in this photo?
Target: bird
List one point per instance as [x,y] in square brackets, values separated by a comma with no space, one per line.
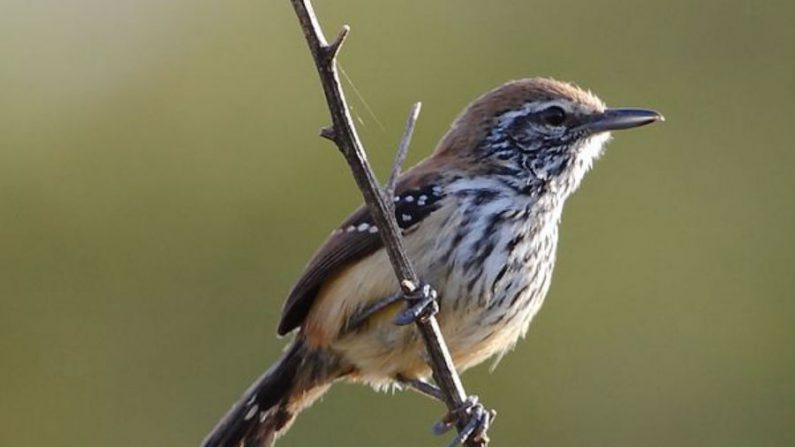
[479,219]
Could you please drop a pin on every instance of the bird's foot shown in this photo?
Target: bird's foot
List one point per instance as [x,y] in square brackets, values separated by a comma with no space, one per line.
[421,306]
[476,419]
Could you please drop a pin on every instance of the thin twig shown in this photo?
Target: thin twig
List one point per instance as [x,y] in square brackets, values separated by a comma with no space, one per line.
[347,140]
[403,150]
[334,47]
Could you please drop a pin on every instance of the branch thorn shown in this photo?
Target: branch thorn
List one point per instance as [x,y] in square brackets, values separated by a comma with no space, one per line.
[333,48]
[328,133]
[403,149]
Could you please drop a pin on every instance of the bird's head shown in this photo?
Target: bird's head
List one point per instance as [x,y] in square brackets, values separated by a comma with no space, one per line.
[540,135]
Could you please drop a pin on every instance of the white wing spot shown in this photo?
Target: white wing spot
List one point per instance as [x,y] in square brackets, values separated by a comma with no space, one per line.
[251,412]
[363,227]
[409,199]
[373,229]
[422,200]
[405,217]
[350,228]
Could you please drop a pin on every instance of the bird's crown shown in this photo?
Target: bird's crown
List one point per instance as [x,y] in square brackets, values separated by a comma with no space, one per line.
[512,99]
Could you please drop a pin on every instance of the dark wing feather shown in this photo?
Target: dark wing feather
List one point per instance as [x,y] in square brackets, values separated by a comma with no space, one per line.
[418,197]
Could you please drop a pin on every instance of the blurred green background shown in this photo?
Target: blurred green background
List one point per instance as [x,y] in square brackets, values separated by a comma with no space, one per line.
[162,185]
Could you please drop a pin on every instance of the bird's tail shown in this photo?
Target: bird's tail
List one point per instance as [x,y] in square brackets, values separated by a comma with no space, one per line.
[267,408]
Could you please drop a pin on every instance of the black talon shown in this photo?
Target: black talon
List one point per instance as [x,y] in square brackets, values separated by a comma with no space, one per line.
[474,422]
[443,426]
[477,418]
[423,306]
[481,431]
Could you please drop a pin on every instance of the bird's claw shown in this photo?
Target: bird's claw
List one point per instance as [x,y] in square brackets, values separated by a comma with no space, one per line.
[422,305]
[476,418]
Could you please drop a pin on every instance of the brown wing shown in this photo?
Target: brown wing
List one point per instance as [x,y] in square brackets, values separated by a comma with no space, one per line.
[418,196]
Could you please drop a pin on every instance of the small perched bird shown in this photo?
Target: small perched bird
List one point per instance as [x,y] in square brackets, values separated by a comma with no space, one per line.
[480,222]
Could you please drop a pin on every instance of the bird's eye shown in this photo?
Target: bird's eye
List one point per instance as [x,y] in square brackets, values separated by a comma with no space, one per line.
[554,116]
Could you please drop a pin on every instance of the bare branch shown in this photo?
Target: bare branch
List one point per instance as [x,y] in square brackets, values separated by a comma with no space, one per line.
[328,133]
[334,47]
[403,150]
[348,141]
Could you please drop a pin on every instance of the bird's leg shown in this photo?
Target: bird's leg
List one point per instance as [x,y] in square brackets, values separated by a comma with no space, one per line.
[421,386]
[476,418]
[362,315]
[421,306]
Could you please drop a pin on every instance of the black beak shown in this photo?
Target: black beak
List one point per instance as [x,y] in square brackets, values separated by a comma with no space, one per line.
[617,119]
